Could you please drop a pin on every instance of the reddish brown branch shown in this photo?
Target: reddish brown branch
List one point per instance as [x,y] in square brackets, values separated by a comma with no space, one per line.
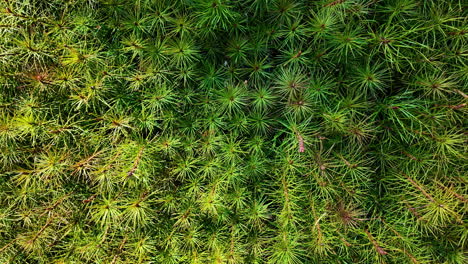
[334,3]
[417,186]
[136,162]
[376,245]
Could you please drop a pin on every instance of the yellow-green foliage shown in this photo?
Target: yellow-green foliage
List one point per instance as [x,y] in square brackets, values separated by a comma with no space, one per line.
[233,131]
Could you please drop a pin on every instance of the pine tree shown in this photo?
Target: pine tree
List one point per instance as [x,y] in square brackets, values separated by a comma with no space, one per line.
[222,131]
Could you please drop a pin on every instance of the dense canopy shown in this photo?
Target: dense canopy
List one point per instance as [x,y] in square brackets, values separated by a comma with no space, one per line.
[224,131]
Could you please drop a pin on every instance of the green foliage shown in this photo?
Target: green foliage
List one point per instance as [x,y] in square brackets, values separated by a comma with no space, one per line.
[222,131]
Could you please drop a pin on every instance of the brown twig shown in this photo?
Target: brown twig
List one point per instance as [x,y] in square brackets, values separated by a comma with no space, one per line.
[376,245]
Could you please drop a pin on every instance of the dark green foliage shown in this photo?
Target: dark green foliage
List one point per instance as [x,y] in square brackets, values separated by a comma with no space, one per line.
[223,131]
